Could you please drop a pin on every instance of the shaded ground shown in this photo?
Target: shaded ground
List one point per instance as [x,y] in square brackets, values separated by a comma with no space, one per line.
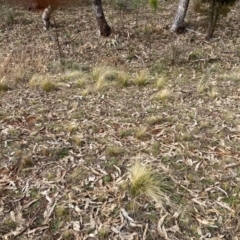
[66,145]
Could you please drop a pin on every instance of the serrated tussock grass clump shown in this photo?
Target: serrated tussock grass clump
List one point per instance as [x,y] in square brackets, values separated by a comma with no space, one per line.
[197,6]
[164,94]
[48,85]
[98,77]
[141,79]
[78,77]
[161,82]
[87,91]
[71,127]
[141,133]
[114,150]
[202,86]
[214,93]
[143,181]
[20,75]
[43,82]
[232,76]
[61,212]
[123,79]
[35,80]
[3,85]
[105,77]
[72,75]
[154,120]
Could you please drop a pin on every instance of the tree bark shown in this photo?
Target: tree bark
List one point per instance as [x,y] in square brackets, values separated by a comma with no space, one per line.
[178,23]
[46,17]
[215,8]
[104,28]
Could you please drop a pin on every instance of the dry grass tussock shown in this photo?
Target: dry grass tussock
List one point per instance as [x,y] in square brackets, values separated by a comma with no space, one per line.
[43,82]
[105,77]
[131,136]
[143,181]
[4,85]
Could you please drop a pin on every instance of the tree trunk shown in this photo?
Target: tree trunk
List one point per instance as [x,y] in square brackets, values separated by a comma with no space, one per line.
[104,28]
[215,8]
[46,17]
[178,23]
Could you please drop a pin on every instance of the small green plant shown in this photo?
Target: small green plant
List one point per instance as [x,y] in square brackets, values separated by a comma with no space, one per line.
[153,4]
[156,149]
[8,15]
[126,133]
[50,175]
[59,153]
[174,53]
[77,174]
[8,224]
[103,233]
[61,212]
[114,151]
[56,225]
[27,162]
[34,193]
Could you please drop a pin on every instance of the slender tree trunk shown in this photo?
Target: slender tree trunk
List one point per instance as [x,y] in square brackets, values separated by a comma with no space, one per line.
[215,8]
[178,23]
[46,17]
[104,28]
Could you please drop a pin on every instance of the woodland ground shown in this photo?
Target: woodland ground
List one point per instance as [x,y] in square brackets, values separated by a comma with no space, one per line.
[69,132]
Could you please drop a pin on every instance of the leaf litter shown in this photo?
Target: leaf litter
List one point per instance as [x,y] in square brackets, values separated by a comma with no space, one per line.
[65,153]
